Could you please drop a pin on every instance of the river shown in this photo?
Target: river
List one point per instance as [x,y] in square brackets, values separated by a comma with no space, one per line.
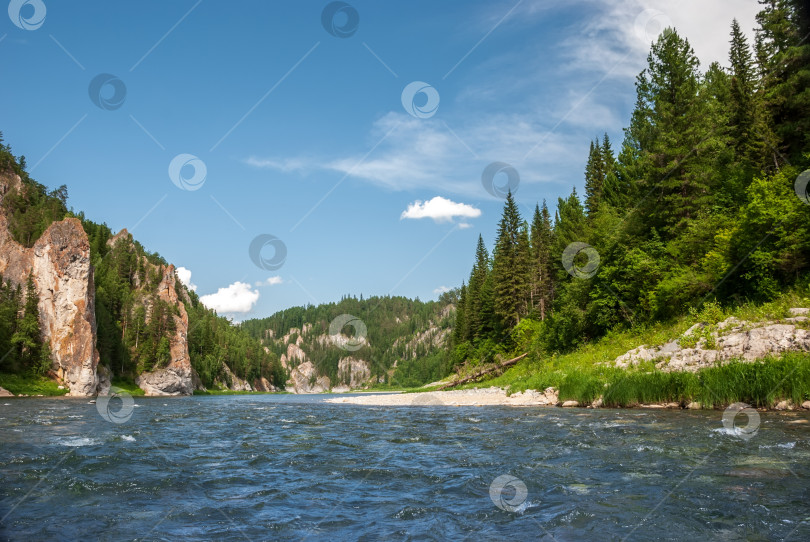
[292,467]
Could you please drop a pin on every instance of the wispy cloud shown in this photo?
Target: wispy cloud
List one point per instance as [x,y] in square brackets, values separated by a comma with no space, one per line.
[440,210]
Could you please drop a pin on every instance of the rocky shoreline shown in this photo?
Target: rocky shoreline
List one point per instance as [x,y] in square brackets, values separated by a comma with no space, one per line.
[498,397]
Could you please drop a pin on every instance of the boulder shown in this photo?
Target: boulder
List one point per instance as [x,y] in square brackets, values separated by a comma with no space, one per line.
[570,404]
[694,406]
[5,393]
[734,339]
[806,405]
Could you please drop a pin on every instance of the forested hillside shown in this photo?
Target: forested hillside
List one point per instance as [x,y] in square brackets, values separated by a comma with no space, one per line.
[134,324]
[700,202]
[402,340]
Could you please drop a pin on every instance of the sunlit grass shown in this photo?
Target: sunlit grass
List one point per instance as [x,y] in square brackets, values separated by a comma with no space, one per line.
[21,384]
[586,373]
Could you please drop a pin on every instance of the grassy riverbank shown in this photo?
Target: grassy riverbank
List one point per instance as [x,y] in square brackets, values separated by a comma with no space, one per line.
[585,374]
[33,385]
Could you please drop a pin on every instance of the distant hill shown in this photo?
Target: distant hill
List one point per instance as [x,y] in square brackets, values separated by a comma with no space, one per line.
[360,342]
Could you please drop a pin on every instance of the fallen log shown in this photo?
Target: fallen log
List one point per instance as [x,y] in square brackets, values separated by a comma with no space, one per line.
[483,373]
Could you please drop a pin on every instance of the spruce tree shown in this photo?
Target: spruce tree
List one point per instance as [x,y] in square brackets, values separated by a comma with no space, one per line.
[509,268]
[594,178]
[478,293]
[542,276]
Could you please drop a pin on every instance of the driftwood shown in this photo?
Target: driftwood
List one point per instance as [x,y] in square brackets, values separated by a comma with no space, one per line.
[483,373]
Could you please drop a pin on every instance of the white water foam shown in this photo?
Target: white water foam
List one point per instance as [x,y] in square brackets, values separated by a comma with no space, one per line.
[77,442]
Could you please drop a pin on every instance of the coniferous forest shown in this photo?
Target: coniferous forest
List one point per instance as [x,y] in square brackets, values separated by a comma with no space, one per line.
[696,206]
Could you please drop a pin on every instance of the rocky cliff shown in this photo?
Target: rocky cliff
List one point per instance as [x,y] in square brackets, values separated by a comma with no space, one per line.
[178,377]
[59,263]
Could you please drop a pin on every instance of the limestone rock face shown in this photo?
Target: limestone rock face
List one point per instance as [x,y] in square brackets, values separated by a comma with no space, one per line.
[353,373]
[60,265]
[733,339]
[178,377]
[262,384]
[305,379]
[236,383]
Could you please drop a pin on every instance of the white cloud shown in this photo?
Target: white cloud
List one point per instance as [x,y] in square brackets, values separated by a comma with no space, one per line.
[184,275]
[535,108]
[441,290]
[618,35]
[271,281]
[285,165]
[236,298]
[440,210]
[464,225]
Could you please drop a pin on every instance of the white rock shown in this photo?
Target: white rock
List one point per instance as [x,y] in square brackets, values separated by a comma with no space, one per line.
[569,404]
[800,311]
[694,406]
[806,405]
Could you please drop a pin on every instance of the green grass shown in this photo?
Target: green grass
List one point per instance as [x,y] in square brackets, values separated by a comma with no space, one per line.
[585,374]
[127,385]
[21,384]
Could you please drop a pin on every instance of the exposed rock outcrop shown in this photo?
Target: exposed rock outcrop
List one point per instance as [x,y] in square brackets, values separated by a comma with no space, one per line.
[59,263]
[731,339]
[231,381]
[262,384]
[353,373]
[5,393]
[305,379]
[178,377]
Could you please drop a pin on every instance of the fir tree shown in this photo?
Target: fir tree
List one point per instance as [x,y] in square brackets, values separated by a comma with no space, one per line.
[509,268]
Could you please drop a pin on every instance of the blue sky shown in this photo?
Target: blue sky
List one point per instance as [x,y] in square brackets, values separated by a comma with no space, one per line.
[305,136]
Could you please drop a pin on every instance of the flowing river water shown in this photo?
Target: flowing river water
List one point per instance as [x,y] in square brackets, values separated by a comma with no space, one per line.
[295,468]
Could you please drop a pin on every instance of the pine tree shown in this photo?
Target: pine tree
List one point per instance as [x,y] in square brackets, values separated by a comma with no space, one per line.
[460,326]
[743,113]
[670,131]
[594,178]
[32,353]
[477,311]
[542,276]
[783,56]
[509,268]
